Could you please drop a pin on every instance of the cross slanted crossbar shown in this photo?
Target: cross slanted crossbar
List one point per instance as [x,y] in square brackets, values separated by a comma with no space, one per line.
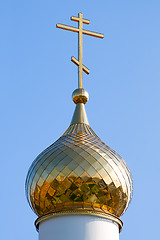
[80,32]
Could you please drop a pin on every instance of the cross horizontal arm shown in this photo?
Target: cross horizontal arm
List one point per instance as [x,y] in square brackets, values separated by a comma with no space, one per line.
[75,61]
[65,27]
[73,29]
[93,34]
[76,19]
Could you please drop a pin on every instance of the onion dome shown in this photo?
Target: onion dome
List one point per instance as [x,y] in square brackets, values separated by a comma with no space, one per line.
[79,173]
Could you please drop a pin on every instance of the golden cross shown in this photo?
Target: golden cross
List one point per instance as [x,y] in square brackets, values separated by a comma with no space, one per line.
[80,32]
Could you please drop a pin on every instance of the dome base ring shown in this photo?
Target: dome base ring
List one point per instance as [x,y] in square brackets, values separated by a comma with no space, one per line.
[108,216]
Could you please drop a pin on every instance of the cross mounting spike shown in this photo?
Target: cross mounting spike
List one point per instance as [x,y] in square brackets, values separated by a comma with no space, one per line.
[80,32]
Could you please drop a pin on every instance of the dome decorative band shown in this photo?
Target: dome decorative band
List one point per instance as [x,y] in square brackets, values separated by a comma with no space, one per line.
[78,212]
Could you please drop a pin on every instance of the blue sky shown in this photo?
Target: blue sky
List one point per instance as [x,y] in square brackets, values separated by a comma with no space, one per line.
[38,78]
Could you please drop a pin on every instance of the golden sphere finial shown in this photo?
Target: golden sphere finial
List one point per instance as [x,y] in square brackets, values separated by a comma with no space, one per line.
[80,95]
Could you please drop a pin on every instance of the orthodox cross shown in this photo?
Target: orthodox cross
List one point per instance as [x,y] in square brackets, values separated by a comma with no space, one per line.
[80,32]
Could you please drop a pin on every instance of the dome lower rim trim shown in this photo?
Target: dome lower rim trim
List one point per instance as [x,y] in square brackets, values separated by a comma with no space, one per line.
[108,216]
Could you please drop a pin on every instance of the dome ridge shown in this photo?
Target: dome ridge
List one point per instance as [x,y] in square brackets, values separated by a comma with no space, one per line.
[79,128]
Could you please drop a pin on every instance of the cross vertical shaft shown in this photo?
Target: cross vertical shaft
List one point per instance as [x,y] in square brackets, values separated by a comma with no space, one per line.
[80,50]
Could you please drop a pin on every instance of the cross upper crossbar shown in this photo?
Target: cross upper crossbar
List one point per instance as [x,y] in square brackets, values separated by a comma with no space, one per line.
[80,32]
[76,19]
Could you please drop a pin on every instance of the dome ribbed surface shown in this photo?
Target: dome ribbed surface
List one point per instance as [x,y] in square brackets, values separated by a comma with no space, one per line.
[79,172]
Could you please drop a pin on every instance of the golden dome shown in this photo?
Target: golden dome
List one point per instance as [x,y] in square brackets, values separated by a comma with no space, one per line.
[79,173]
